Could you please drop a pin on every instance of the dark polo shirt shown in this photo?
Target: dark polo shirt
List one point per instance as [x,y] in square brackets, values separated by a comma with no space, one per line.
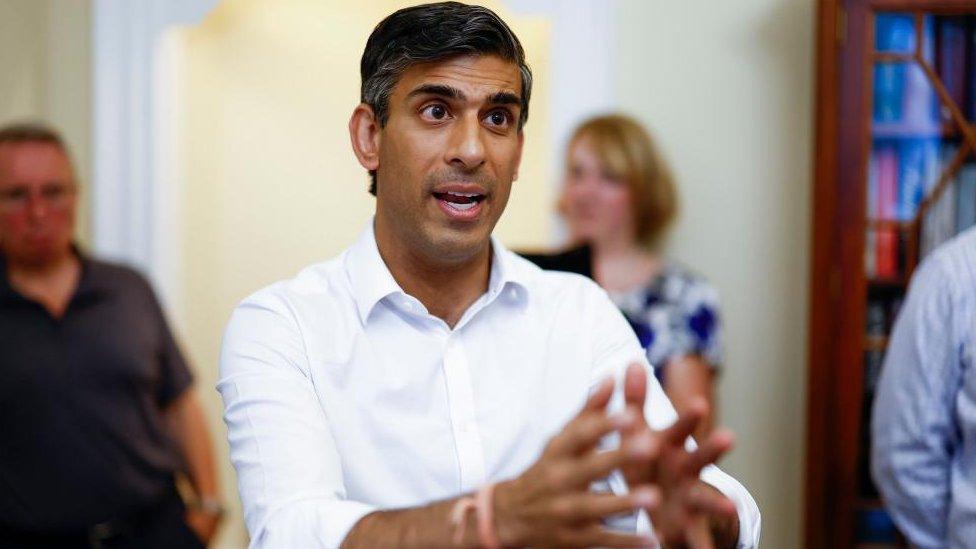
[82,434]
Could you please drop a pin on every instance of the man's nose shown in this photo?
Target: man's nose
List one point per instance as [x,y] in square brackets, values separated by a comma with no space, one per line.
[37,206]
[467,148]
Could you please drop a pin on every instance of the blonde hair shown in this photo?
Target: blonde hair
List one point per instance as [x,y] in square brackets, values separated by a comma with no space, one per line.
[628,153]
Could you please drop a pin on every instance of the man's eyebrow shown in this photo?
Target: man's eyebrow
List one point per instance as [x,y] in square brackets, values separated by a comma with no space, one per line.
[504,98]
[437,89]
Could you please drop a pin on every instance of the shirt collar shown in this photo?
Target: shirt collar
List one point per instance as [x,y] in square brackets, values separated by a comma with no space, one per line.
[371,281]
[369,277]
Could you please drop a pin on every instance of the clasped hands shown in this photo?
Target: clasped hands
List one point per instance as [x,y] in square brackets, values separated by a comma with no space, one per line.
[550,504]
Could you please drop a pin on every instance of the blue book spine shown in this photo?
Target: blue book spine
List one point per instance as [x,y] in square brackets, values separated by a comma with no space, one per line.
[889,88]
[894,32]
[952,62]
[911,178]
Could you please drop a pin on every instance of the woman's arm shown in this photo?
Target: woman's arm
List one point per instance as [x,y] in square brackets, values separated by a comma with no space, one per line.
[687,378]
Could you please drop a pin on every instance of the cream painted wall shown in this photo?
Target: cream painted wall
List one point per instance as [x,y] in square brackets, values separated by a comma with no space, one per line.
[271,184]
[45,60]
[727,88]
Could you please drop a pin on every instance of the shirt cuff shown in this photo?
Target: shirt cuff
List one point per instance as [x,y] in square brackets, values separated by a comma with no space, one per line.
[311,523]
[750,521]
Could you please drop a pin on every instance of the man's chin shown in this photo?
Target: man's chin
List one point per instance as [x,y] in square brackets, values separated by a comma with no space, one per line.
[36,255]
[458,245]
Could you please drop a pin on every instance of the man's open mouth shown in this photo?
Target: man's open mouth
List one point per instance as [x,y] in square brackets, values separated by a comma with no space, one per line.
[459,201]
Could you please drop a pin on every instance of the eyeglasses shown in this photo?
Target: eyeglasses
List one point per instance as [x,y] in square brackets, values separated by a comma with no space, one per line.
[55,195]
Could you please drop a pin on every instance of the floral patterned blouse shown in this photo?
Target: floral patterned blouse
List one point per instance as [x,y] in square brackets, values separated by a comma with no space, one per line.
[677,314]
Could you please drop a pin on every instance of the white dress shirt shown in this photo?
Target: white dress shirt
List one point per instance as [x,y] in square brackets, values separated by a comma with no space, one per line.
[343,395]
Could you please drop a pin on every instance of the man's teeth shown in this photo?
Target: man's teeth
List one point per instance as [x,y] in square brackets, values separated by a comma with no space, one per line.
[466,195]
[461,207]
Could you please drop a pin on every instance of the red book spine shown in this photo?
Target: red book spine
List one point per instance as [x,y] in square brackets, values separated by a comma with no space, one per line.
[886,253]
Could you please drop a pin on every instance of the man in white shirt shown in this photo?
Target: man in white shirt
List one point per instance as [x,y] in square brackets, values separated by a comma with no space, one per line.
[428,388]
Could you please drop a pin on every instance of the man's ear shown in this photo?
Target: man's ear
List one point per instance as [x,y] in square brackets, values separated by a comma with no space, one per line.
[518,155]
[364,133]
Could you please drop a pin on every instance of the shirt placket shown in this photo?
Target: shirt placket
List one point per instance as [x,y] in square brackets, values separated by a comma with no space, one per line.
[467,438]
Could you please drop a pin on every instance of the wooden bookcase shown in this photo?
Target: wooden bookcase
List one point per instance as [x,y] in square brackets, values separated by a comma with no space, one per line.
[862,133]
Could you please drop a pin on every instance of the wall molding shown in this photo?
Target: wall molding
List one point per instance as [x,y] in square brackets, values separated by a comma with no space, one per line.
[135,188]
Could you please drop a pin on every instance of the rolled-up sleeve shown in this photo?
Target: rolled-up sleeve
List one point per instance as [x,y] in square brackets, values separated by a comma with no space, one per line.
[288,469]
[616,348]
[913,429]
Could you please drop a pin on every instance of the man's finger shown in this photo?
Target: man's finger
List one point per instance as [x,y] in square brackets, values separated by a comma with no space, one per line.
[598,464]
[585,506]
[600,395]
[715,446]
[686,423]
[635,385]
[585,431]
[708,501]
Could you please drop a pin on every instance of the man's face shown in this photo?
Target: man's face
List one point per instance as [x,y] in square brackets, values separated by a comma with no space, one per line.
[449,153]
[37,202]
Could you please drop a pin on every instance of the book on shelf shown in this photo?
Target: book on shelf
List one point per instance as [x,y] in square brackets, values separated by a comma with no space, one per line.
[952,57]
[971,110]
[886,253]
[939,222]
[902,173]
[905,101]
[894,32]
[887,187]
[911,178]
[965,198]
[889,85]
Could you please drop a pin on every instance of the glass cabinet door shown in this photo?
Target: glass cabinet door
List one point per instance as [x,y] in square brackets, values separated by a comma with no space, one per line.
[920,187]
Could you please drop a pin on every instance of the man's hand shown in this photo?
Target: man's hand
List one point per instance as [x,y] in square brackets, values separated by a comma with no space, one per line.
[551,505]
[203,524]
[692,513]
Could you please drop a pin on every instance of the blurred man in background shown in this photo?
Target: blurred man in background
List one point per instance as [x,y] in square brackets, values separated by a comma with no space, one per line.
[924,424]
[96,411]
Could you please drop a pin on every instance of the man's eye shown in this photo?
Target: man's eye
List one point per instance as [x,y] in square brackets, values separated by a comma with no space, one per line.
[14,194]
[498,118]
[435,112]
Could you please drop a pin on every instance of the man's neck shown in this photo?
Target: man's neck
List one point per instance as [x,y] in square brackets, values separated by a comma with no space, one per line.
[50,282]
[446,289]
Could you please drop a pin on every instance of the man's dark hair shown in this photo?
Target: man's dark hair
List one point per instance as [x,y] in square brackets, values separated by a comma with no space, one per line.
[432,32]
[32,132]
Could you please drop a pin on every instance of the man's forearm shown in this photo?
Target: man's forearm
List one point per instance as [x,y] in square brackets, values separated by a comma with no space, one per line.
[188,425]
[417,527]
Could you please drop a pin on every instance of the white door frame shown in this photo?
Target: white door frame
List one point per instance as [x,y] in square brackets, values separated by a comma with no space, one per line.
[135,188]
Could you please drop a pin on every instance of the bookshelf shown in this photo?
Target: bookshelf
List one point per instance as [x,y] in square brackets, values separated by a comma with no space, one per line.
[895,176]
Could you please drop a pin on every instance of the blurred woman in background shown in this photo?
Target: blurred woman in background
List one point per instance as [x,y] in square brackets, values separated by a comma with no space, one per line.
[619,200]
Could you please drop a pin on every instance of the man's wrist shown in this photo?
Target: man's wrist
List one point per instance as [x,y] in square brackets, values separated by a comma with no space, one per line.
[208,506]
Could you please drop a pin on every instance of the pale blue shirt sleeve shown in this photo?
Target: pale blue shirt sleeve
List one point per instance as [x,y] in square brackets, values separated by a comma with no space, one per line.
[914,428]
